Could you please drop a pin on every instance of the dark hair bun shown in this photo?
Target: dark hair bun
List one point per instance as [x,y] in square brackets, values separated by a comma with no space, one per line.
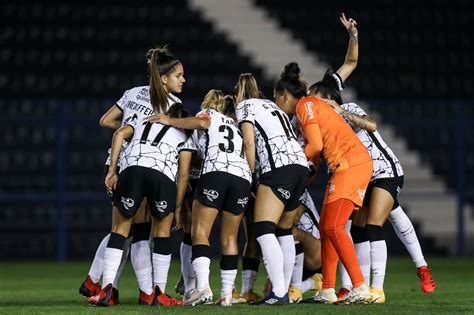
[291,72]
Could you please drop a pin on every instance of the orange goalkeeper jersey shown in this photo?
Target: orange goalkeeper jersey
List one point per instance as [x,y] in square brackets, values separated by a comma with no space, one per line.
[326,131]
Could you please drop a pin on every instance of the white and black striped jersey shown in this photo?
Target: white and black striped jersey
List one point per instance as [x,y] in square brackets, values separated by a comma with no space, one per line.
[385,162]
[156,146]
[276,144]
[221,146]
[309,220]
[295,124]
[135,106]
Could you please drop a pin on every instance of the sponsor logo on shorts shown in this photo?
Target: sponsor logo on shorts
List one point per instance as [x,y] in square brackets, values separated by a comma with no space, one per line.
[309,109]
[211,194]
[243,201]
[127,203]
[161,205]
[361,193]
[284,193]
[398,190]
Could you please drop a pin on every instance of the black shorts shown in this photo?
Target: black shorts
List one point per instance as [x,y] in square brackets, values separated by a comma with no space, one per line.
[104,174]
[136,183]
[287,183]
[223,191]
[391,184]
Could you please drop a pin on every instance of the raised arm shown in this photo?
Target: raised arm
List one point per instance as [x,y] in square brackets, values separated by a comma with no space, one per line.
[352,55]
[112,118]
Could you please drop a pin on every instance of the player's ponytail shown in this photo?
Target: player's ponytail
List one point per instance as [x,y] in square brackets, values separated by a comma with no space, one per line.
[329,87]
[246,88]
[290,81]
[229,106]
[160,62]
[214,99]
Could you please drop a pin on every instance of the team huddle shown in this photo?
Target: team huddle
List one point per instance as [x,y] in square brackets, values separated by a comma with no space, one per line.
[250,160]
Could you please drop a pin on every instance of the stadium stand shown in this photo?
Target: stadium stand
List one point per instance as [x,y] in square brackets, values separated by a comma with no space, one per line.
[408,77]
[64,64]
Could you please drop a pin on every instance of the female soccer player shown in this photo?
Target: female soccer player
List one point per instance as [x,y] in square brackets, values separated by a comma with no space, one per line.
[351,167]
[167,75]
[223,187]
[380,200]
[149,167]
[269,136]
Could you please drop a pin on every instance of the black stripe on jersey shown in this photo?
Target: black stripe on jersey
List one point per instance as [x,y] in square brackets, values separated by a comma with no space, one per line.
[312,216]
[245,121]
[206,133]
[120,108]
[267,145]
[174,98]
[160,135]
[384,152]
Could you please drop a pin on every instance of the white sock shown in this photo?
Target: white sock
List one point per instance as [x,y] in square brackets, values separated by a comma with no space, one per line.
[112,258]
[227,280]
[345,278]
[187,271]
[307,285]
[406,233]
[141,262]
[201,266]
[363,253]
[287,244]
[249,277]
[273,260]
[378,256]
[297,276]
[97,266]
[126,251]
[161,266]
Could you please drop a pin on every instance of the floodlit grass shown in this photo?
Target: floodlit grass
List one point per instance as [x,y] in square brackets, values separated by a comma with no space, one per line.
[52,288]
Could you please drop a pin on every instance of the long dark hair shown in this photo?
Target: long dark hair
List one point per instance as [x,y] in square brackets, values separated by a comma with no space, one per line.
[290,80]
[329,87]
[160,62]
[177,110]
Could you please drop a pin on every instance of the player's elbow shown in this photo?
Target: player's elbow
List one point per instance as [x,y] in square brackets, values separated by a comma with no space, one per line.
[103,122]
[249,143]
[371,126]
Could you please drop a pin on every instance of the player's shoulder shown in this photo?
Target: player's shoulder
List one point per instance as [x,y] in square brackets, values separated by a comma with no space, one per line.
[173,99]
[348,106]
[248,102]
[208,112]
[143,90]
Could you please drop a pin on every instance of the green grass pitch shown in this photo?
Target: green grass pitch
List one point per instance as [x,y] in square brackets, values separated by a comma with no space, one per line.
[52,288]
